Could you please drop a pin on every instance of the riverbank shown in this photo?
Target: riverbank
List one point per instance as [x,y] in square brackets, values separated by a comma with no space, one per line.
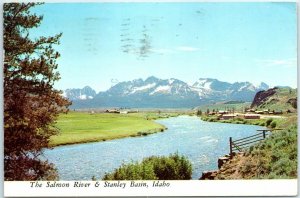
[267,121]
[273,158]
[84,127]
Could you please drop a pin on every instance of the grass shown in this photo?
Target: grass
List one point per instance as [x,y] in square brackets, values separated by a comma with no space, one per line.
[82,127]
[277,155]
[268,122]
[238,106]
[260,122]
[154,115]
[278,101]
[273,158]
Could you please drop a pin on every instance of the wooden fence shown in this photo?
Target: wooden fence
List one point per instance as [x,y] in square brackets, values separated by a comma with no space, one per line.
[244,143]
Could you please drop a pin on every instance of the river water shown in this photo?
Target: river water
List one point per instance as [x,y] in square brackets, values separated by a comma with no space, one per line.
[201,142]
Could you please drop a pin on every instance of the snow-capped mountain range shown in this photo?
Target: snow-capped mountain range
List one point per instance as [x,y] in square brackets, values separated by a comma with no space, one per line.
[155,92]
[80,94]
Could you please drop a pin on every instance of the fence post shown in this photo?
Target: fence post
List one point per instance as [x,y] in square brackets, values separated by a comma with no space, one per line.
[264,134]
[230,145]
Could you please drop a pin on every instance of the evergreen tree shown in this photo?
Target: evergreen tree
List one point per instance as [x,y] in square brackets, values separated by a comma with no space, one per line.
[31,104]
[199,112]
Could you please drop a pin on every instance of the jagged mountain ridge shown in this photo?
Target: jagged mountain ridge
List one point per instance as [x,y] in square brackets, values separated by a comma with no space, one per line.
[80,94]
[171,93]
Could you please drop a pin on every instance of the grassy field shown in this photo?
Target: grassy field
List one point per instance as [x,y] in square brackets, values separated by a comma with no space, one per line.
[82,127]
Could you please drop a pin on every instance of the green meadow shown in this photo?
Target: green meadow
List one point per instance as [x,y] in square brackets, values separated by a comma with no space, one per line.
[83,127]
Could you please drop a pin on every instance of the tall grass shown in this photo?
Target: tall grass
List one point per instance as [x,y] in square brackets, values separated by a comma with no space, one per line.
[277,155]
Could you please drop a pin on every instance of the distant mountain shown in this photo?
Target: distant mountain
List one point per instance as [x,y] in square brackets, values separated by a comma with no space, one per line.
[169,93]
[80,94]
[215,90]
[152,92]
[263,86]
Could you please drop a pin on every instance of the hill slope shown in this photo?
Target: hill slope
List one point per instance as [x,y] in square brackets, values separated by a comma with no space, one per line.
[276,156]
[276,99]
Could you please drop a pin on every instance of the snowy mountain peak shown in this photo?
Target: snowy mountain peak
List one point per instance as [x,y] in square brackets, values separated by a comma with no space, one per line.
[263,86]
[152,79]
[155,92]
[171,80]
[80,94]
[204,83]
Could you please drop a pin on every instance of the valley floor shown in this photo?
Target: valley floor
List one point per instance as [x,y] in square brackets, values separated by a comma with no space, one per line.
[83,127]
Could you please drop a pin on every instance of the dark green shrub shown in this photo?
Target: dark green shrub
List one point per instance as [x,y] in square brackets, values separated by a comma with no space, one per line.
[173,167]
[273,124]
[239,119]
[268,122]
[204,118]
[256,123]
[212,119]
[132,171]
[262,124]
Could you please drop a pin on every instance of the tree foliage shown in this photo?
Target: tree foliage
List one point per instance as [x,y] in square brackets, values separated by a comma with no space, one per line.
[31,103]
[173,167]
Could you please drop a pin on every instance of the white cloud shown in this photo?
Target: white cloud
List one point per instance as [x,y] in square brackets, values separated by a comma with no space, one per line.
[290,62]
[187,48]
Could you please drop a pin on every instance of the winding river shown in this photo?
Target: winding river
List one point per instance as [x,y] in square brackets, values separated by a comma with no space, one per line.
[202,142]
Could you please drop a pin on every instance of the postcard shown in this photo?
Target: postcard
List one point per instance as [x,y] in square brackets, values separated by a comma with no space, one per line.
[150,99]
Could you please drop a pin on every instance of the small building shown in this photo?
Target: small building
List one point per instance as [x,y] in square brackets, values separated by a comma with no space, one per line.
[278,112]
[252,116]
[112,111]
[133,111]
[222,112]
[266,111]
[228,116]
[259,112]
[250,110]
[123,112]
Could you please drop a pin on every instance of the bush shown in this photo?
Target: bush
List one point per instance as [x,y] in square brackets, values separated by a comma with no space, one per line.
[211,120]
[262,124]
[239,119]
[173,167]
[268,122]
[277,155]
[204,118]
[273,124]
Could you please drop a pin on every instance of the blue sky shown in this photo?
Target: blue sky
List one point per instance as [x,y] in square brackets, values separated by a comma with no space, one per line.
[229,41]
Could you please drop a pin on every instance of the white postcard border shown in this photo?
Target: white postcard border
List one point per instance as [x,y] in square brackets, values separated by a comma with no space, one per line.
[283,187]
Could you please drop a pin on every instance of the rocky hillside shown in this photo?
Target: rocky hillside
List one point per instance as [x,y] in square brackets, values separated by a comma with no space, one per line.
[276,99]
